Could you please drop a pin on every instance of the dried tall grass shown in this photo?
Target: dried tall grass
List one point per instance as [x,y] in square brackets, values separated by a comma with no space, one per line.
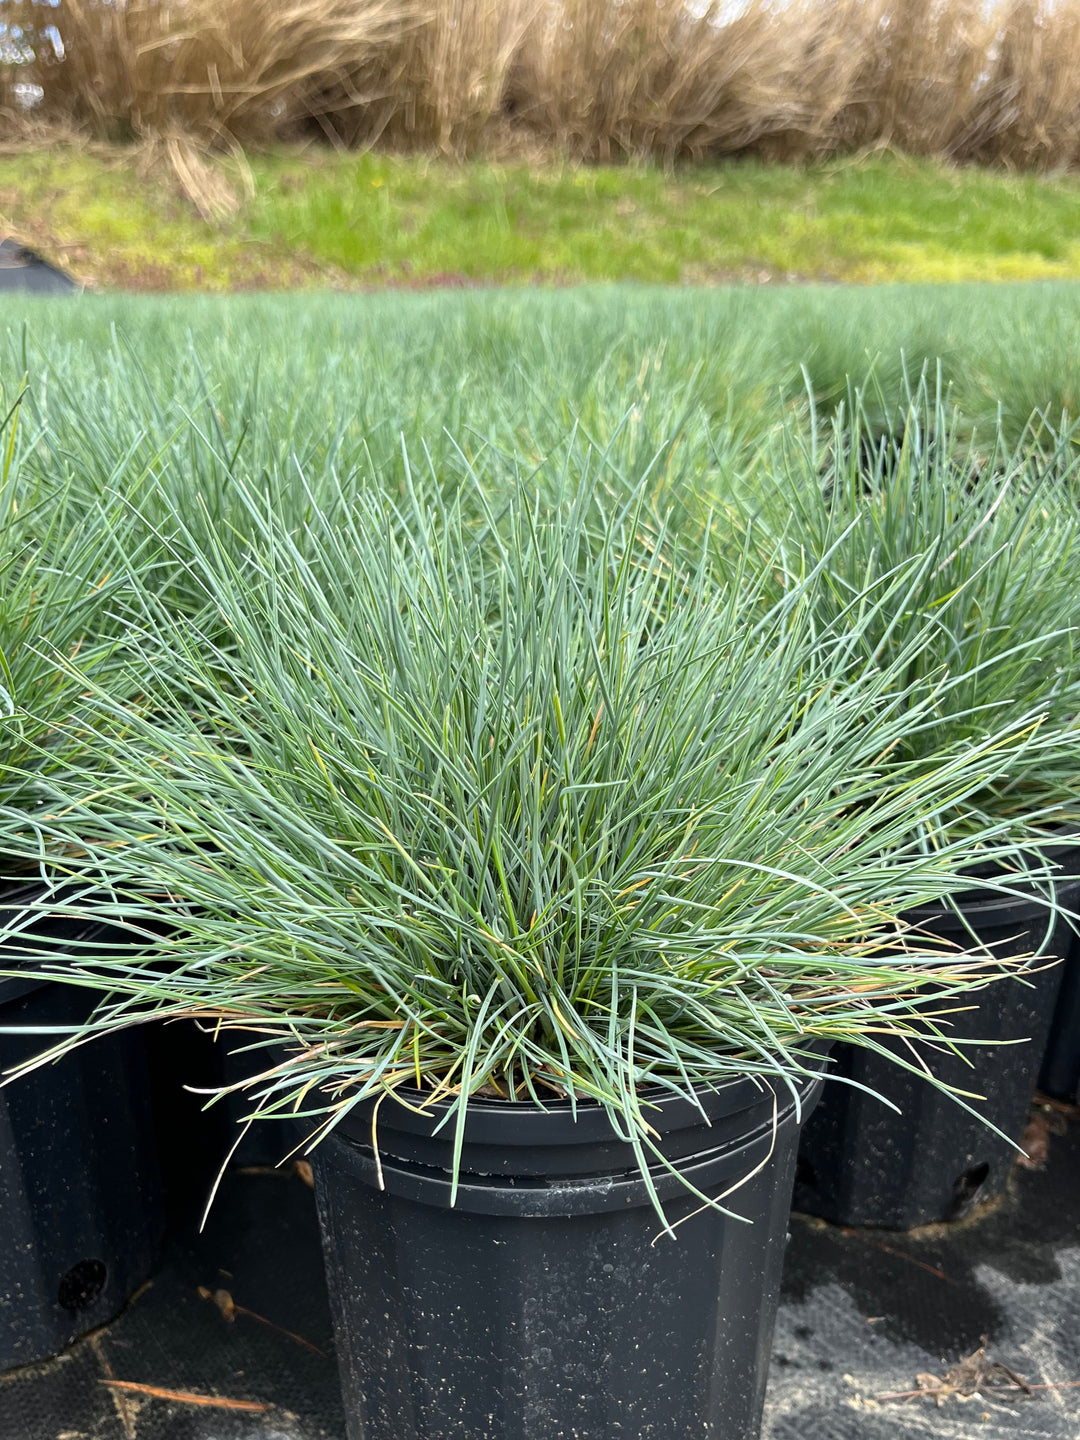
[594,79]
[1028,113]
[603,78]
[440,84]
[235,70]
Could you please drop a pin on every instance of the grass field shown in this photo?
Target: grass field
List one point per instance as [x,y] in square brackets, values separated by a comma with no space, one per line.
[685,384]
[319,218]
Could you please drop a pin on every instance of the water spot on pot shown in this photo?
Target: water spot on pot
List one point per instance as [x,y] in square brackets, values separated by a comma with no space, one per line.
[82,1284]
[803,1332]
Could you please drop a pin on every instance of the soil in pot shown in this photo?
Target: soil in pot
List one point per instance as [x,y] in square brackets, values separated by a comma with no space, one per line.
[861,1163]
[79,1190]
[548,1301]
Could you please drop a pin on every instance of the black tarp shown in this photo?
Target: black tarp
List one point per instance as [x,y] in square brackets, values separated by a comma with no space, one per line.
[21,269]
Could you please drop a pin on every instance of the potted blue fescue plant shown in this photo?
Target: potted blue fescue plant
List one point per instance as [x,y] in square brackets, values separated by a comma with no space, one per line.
[994,593]
[541,869]
[78,1175]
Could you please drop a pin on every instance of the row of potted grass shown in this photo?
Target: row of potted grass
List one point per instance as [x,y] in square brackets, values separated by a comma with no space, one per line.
[538,852]
[996,534]
[79,1186]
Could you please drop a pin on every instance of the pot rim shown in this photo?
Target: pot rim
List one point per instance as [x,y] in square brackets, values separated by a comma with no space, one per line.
[518,1123]
[1021,908]
[735,1160]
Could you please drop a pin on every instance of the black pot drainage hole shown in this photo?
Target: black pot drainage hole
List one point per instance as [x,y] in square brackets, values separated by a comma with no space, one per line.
[82,1284]
[967,1191]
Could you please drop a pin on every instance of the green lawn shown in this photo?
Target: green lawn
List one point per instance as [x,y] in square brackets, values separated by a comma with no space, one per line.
[319,218]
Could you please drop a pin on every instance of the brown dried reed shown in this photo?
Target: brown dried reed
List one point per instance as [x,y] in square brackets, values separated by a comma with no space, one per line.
[592,79]
[230,70]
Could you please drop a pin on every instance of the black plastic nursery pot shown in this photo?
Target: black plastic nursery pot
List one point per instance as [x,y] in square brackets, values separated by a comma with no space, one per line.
[196,1139]
[1060,1073]
[79,1195]
[548,1302]
[861,1163]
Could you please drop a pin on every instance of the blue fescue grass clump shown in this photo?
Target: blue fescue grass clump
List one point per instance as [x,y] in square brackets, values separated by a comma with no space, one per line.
[993,593]
[479,799]
[58,634]
[492,699]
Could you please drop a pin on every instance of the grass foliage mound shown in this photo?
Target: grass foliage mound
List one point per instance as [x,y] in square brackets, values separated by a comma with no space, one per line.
[540,731]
